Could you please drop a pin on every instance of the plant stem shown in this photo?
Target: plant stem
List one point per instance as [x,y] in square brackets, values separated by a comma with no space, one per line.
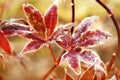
[53,67]
[73,14]
[48,72]
[53,55]
[115,54]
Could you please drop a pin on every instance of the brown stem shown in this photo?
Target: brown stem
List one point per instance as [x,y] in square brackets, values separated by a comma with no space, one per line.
[73,14]
[115,54]
[48,72]
[53,55]
[53,67]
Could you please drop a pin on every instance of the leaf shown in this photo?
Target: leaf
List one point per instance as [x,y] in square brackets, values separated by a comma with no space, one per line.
[88,74]
[62,36]
[26,34]
[77,56]
[88,57]
[51,18]
[32,46]
[12,28]
[4,43]
[35,19]
[84,26]
[7,25]
[92,38]
[17,32]
[72,59]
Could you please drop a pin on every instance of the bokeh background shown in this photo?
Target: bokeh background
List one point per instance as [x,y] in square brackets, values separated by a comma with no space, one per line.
[35,64]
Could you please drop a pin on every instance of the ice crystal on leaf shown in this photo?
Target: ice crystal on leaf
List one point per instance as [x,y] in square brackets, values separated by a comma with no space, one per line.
[38,28]
[77,55]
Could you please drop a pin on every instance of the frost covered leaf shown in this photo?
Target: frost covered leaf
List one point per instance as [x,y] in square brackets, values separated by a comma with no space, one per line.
[88,74]
[72,60]
[62,36]
[4,43]
[14,24]
[84,26]
[38,28]
[32,46]
[51,18]
[92,38]
[35,19]
[43,25]
[78,58]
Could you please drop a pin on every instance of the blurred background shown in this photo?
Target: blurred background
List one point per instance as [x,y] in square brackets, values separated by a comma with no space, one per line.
[35,64]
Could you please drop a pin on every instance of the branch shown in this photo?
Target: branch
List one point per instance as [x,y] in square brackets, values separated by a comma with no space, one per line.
[48,72]
[53,55]
[73,14]
[116,52]
[53,67]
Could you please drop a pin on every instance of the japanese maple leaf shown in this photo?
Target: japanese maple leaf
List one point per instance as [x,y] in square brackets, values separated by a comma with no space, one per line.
[76,45]
[42,26]
[39,28]
[5,45]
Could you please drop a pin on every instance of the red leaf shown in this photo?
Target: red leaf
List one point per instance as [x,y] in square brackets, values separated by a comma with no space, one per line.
[51,18]
[62,36]
[92,38]
[35,19]
[84,26]
[88,74]
[75,56]
[14,24]
[4,43]
[32,46]
[88,57]
[72,59]
[26,34]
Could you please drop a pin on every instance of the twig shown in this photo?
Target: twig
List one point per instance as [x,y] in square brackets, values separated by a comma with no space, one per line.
[48,72]
[115,54]
[53,67]
[73,14]
[53,55]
